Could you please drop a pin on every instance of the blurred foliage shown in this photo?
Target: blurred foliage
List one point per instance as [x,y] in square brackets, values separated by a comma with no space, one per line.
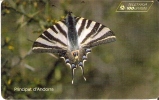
[127,68]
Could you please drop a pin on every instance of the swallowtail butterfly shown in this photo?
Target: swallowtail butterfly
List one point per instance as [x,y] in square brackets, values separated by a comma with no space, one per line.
[72,39]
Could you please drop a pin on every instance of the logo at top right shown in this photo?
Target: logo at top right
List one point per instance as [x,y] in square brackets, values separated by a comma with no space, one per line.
[134,6]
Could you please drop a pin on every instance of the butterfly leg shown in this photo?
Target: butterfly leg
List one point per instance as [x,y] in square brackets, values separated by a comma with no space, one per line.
[82,58]
[81,66]
[69,61]
[73,67]
[88,51]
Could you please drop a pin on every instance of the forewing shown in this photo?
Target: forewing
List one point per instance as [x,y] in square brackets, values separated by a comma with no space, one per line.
[92,33]
[53,40]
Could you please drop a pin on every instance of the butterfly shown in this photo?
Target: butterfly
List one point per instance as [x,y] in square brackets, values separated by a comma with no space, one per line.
[72,39]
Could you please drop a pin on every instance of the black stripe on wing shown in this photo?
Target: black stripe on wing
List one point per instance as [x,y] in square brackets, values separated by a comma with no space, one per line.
[94,30]
[88,24]
[61,30]
[52,40]
[102,26]
[106,38]
[42,48]
[53,28]
[77,18]
[81,27]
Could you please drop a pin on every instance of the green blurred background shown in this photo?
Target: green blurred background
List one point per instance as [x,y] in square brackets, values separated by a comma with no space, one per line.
[126,68]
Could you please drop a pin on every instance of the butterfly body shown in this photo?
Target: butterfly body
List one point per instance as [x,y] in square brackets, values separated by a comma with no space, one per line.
[72,32]
[73,38]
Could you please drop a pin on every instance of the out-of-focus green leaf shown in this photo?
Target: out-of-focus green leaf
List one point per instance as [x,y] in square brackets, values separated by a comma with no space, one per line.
[21,19]
[34,14]
[12,3]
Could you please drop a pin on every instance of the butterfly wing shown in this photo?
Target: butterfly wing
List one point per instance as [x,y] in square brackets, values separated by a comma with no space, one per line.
[53,40]
[92,33]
